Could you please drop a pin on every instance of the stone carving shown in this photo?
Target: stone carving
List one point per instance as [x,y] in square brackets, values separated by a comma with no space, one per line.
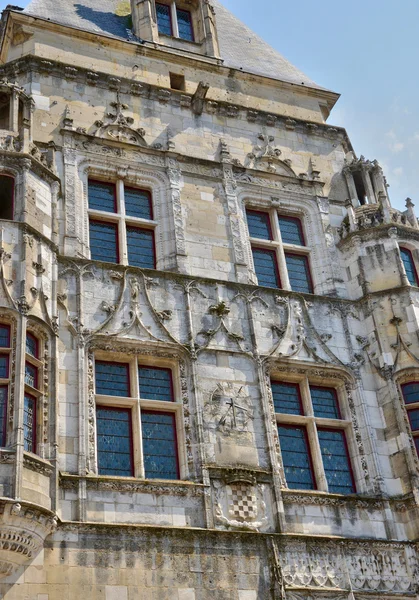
[319,566]
[266,157]
[220,312]
[311,188]
[120,127]
[240,505]
[230,409]
[23,530]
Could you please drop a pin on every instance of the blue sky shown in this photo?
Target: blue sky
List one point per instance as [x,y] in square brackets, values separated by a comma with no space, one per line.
[367,50]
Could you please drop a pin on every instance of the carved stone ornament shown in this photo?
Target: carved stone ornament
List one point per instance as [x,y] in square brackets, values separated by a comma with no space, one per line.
[240,505]
[266,157]
[23,530]
[120,128]
[229,409]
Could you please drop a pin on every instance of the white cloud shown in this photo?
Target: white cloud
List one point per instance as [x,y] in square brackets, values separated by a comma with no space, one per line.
[396,147]
[398,171]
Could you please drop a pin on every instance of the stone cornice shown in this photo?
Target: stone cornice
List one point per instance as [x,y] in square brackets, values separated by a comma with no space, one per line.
[156,50]
[30,63]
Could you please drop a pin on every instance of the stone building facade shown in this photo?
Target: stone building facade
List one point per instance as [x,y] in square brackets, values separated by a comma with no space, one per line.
[208,320]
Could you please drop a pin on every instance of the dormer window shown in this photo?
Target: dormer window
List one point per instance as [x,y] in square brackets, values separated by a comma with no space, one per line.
[174,21]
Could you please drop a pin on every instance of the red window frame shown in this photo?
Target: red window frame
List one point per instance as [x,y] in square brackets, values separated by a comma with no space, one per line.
[150,201]
[412,260]
[170,17]
[118,253]
[345,441]
[300,397]
[35,339]
[36,378]
[261,212]
[409,407]
[35,423]
[310,458]
[173,415]
[131,432]
[307,259]
[128,225]
[325,387]
[9,335]
[191,20]
[120,364]
[13,193]
[172,389]
[115,201]
[7,363]
[300,228]
[3,433]
[271,251]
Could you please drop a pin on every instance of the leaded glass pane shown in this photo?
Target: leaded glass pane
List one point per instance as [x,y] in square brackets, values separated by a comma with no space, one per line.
[287,398]
[29,423]
[4,336]
[141,247]
[299,273]
[325,402]
[3,414]
[336,461]
[291,231]
[259,225]
[409,266]
[184,22]
[138,203]
[4,366]
[164,22]
[155,384]
[414,419]
[104,241]
[31,375]
[266,267]
[102,196]
[296,458]
[112,379]
[411,392]
[159,445]
[31,345]
[114,443]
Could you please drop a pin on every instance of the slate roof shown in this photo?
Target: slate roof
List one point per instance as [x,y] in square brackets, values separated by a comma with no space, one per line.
[239,46]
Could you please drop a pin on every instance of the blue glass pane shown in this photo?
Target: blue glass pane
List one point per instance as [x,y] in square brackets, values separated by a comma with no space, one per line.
[299,273]
[3,414]
[184,22]
[31,345]
[291,232]
[112,379]
[155,384]
[159,445]
[266,267]
[325,402]
[29,423]
[102,196]
[164,22]
[4,366]
[31,375]
[259,225]
[336,461]
[414,419]
[416,440]
[409,266]
[287,398]
[295,458]
[138,203]
[103,241]
[114,441]
[4,336]
[411,392]
[140,247]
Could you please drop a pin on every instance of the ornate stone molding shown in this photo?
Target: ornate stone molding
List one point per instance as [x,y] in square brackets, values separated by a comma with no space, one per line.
[23,530]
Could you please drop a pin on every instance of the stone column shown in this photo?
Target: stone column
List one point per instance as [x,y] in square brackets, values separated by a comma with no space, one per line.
[175,215]
[353,194]
[144,21]
[210,31]
[238,230]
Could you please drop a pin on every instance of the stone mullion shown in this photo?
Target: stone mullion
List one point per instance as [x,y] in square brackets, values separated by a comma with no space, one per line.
[237,228]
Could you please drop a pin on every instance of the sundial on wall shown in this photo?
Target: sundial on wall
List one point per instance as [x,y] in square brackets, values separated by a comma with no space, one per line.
[230,407]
